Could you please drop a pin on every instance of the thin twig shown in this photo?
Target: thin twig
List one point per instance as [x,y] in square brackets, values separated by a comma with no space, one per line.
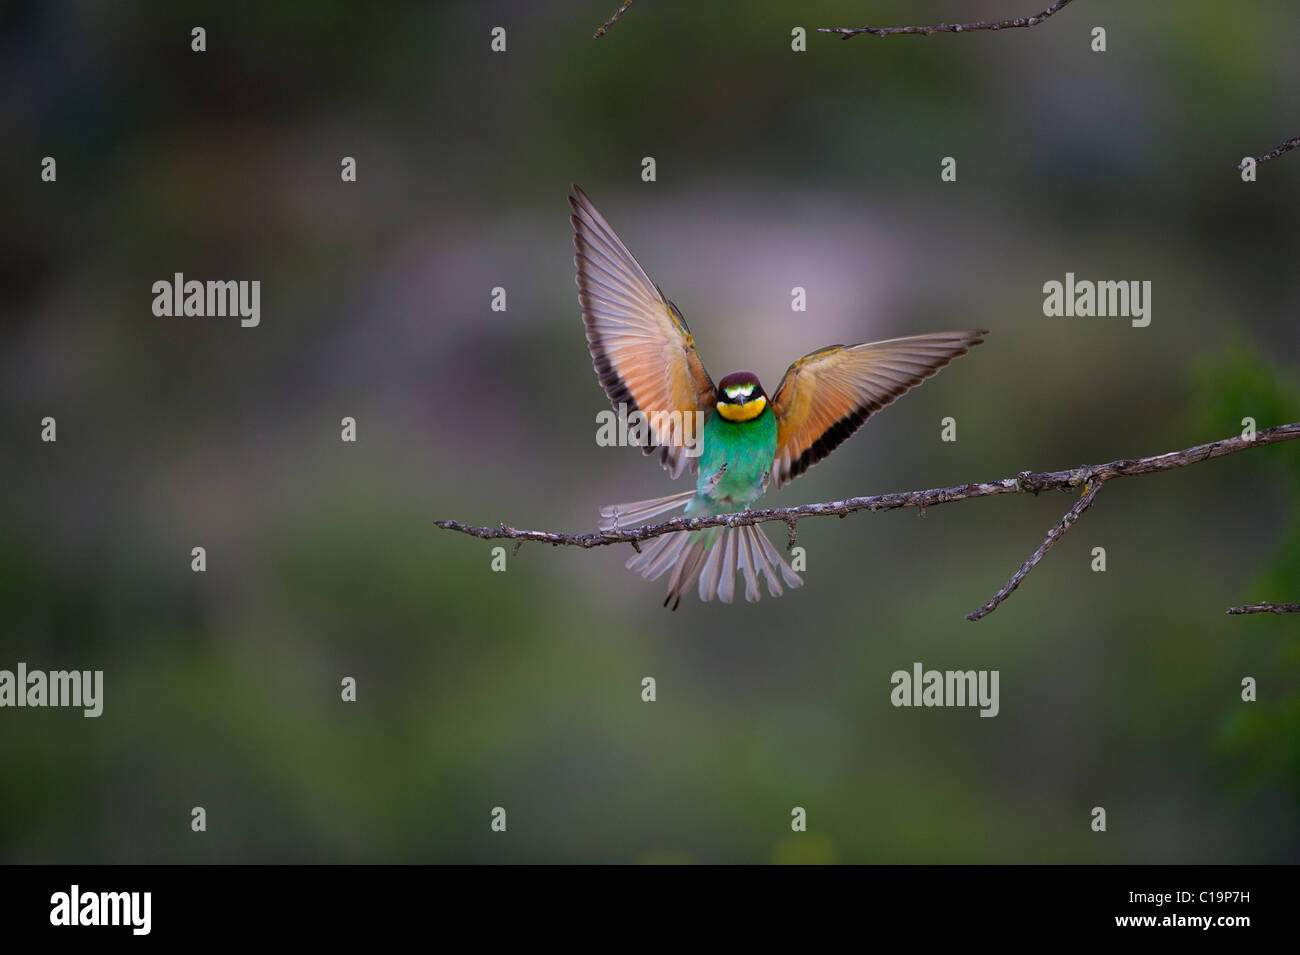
[1007,24]
[1089,477]
[1266,608]
[1286,147]
[1055,534]
[1010,23]
[610,22]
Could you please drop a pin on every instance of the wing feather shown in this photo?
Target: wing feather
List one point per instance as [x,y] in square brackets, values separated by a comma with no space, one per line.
[643,352]
[827,395]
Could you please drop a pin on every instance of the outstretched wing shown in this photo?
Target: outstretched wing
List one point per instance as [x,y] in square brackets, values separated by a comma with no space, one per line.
[826,395]
[643,352]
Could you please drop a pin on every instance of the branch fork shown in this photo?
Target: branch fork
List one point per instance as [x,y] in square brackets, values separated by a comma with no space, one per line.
[1089,477]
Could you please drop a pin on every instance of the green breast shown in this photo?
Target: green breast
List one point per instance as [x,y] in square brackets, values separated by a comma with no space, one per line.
[747,448]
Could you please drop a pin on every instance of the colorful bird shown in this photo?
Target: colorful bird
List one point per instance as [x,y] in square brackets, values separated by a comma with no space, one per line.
[646,360]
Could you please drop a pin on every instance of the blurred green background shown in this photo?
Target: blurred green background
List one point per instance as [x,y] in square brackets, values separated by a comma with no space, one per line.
[522,689]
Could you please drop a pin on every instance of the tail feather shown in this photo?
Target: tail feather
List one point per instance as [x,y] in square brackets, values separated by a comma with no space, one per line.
[756,541]
[709,561]
[792,579]
[642,560]
[685,572]
[614,516]
[711,574]
[747,561]
[670,556]
[727,585]
[658,555]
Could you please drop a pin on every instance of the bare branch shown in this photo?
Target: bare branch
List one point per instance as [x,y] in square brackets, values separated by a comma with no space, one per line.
[610,22]
[1287,146]
[1055,534]
[1008,24]
[1026,481]
[1088,477]
[1266,608]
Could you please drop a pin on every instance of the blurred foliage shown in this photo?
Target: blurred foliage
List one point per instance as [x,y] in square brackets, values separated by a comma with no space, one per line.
[1264,738]
[522,689]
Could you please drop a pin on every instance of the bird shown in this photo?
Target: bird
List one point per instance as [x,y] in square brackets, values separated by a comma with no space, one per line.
[645,359]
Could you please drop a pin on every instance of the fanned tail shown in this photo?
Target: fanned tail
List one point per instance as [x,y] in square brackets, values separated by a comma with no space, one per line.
[710,560]
[614,516]
[707,559]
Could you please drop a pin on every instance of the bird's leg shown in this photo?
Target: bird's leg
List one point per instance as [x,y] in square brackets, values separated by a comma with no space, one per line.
[715,479]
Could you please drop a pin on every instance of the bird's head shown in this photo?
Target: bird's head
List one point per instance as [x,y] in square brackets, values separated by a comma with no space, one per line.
[741,397]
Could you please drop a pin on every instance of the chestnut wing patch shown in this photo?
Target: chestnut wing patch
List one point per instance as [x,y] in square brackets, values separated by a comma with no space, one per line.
[827,395]
[643,352]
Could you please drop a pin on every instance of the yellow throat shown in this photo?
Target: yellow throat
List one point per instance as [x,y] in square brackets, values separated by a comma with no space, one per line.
[742,412]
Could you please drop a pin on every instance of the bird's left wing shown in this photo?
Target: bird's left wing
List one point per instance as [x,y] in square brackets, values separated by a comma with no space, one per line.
[643,352]
[827,395]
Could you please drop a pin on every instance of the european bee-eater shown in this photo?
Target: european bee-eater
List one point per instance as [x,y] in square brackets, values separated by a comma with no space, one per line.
[646,360]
